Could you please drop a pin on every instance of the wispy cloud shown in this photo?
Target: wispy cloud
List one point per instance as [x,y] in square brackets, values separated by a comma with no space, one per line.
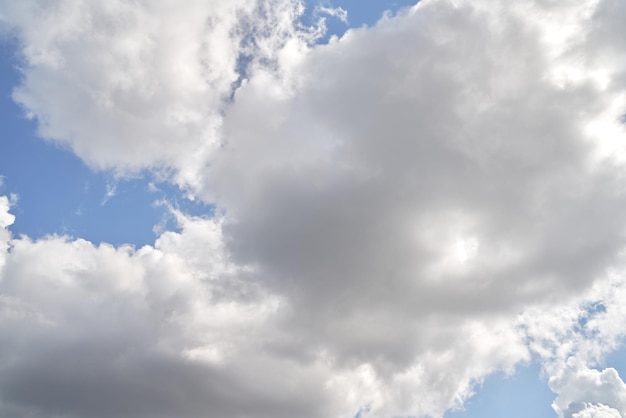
[336,12]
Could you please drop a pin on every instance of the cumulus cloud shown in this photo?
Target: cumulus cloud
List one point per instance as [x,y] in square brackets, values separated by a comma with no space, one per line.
[158,331]
[177,329]
[403,211]
[603,392]
[596,411]
[154,76]
[429,165]
[427,143]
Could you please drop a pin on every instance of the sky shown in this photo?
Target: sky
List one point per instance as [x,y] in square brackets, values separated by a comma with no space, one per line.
[320,209]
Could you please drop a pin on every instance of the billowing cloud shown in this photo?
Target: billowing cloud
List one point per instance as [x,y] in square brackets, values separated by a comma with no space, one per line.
[103,332]
[128,85]
[596,411]
[402,211]
[177,329]
[603,391]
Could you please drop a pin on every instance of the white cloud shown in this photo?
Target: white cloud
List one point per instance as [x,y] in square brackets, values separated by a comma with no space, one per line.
[596,411]
[405,210]
[604,390]
[6,219]
[104,331]
[140,84]
[336,12]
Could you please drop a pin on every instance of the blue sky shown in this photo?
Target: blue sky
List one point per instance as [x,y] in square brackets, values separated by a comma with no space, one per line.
[405,126]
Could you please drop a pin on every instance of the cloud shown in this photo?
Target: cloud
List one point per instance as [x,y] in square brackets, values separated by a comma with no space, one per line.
[176,328]
[604,393]
[159,331]
[596,411]
[6,220]
[402,211]
[336,12]
[572,340]
[154,77]
[398,142]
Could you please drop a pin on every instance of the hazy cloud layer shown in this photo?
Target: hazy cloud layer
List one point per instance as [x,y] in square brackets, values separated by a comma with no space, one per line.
[402,211]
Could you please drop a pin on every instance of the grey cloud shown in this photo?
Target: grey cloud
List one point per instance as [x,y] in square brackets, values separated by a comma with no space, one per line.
[102,332]
[436,126]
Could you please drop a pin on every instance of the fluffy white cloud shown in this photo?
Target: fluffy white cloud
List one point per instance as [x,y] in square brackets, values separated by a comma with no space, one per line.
[129,85]
[603,392]
[103,331]
[391,202]
[596,411]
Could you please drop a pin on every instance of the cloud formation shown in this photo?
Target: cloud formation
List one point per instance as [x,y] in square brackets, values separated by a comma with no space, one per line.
[403,210]
[128,85]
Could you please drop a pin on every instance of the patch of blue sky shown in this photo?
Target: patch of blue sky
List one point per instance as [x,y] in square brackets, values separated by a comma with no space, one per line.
[521,395]
[616,360]
[359,13]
